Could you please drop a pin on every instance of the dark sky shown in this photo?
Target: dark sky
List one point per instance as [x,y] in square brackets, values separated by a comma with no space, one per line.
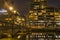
[24,5]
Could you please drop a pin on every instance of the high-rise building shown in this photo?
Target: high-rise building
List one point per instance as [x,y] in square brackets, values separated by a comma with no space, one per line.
[43,17]
[36,14]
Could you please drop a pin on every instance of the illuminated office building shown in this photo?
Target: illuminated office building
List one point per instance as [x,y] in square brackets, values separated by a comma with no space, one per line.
[42,16]
[37,10]
[45,18]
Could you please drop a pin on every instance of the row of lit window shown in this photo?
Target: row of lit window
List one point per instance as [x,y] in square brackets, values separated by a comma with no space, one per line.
[43,21]
[3,24]
[8,19]
[39,7]
[45,24]
[42,12]
[23,23]
[40,24]
[42,36]
[38,0]
[44,18]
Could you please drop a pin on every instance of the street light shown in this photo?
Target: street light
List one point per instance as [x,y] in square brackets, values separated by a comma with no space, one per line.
[10,8]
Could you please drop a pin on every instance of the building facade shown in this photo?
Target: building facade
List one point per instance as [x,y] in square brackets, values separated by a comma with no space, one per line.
[43,17]
[37,10]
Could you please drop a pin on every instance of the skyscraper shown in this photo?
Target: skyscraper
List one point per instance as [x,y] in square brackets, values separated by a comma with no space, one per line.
[42,17]
[37,14]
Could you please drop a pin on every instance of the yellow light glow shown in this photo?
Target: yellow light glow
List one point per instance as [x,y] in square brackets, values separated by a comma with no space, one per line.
[23,19]
[19,36]
[40,13]
[0,24]
[8,19]
[19,19]
[56,13]
[15,11]
[35,13]
[30,16]
[30,11]
[36,0]
[36,6]
[57,19]
[43,11]
[11,8]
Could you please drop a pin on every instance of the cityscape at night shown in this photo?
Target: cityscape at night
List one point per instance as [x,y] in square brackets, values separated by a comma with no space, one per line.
[29,19]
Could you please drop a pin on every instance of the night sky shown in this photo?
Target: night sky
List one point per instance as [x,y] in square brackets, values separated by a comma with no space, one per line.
[24,5]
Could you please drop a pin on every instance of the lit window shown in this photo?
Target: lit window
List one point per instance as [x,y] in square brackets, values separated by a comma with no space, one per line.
[36,36]
[19,18]
[30,16]
[0,24]
[40,27]
[57,16]
[58,36]
[35,13]
[8,18]
[51,13]
[39,13]
[42,6]
[4,24]
[36,7]
[42,0]
[41,21]
[30,21]
[58,23]
[43,11]
[31,24]
[57,13]
[15,23]
[30,11]
[36,0]
[35,18]
[27,37]
[19,36]
[23,19]
[57,19]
